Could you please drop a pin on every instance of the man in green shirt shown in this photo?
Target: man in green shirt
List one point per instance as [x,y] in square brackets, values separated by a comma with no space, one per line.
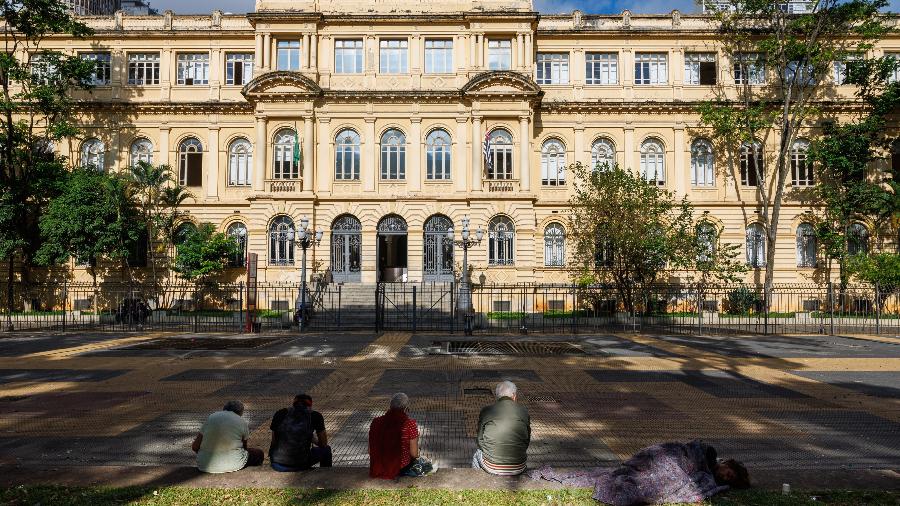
[221,445]
[504,433]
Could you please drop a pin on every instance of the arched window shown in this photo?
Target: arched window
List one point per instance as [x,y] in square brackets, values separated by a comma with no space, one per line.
[437,155]
[238,232]
[499,155]
[857,239]
[93,154]
[281,241]
[287,155]
[751,159]
[240,163]
[554,245]
[801,169]
[756,246]
[553,163]
[141,151]
[346,249]
[501,241]
[346,156]
[603,154]
[702,168]
[707,238]
[806,245]
[190,162]
[653,165]
[393,155]
[603,256]
[182,232]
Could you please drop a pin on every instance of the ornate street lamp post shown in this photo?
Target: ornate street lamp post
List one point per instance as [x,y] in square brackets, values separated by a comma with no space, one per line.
[305,238]
[464,300]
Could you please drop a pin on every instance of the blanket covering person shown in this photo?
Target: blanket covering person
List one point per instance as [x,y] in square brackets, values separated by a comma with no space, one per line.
[385,440]
[659,474]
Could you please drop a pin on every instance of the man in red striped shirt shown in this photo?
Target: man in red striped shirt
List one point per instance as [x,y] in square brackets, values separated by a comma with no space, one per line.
[504,433]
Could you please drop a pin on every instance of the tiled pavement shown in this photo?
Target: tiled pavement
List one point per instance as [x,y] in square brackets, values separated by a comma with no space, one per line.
[811,402]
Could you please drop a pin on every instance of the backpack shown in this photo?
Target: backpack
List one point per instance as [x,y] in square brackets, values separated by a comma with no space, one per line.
[294,435]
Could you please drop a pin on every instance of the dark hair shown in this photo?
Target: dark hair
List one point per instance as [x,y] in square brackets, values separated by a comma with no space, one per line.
[302,400]
[741,476]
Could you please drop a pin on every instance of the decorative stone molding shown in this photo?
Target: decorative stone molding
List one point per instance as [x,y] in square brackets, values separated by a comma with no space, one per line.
[502,84]
[281,86]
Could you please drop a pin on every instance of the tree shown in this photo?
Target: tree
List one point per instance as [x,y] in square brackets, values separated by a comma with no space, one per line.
[879,269]
[715,263]
[796,52]
[628,231]
[204,253]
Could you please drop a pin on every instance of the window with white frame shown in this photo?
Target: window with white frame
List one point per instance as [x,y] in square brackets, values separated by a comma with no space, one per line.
[801,169]
[554,245]
[707,239]
[240,163]
[287,54]
[552,68]
[42,67]
[346,156]
[653,165]
[102,67]
[238,68]
[501,241]
[93,154]
[857,239]
[751,160]
[700,69]
[143,69]
[749,68]
[702,164]
[499,155]
[286,155]
[603,154]
[499,54]
[756,245]
[650,68]
[238,233]
[348,56]
[553,163]
[601,68]
[895,76]
[394,56]
[193,69]
[190,162]
[281,241]
[840,67]
[393,155]
[439,56]
[141,151]
[799,74]
[806,245]
[438,155]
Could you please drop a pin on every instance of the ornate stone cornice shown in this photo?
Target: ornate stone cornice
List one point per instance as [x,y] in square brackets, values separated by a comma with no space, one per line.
[651,106]
[501,84]
[167,107]
[280,86]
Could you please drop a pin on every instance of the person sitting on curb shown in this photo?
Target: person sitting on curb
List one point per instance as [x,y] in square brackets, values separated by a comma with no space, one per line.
[504,432]
[221,445]
[299,439]
[394,444]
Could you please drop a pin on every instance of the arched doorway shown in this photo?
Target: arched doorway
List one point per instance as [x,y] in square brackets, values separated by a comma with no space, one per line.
[346,247]
[438,254]
[392,242]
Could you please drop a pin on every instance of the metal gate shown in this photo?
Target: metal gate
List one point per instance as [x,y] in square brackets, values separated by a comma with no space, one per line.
[438,252]
[346,245]
[415,307]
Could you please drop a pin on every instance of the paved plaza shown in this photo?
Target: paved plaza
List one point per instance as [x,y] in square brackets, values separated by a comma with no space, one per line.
[799,403]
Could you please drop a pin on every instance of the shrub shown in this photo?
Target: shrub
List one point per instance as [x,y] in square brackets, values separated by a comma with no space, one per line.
[743,300]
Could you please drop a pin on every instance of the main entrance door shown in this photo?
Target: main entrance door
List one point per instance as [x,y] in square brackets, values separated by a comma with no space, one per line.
[392,242]
[438,254]
[346,245]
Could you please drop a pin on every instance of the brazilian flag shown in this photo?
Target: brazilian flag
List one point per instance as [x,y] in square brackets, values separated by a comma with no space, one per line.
[298,156]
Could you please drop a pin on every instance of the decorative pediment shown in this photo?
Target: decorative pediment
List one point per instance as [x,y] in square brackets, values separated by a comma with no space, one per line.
[502,84]
[280,86]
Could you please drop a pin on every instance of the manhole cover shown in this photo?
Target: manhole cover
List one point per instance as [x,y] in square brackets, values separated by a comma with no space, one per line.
[206,343]
[513,348]
[477,391]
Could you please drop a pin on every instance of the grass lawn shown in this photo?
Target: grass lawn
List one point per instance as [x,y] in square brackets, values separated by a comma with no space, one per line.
[92,496]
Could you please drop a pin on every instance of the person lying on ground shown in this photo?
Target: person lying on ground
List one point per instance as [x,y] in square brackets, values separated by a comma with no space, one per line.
[221,445]
[660,474]
[394,444]
[299,439]
[504,433]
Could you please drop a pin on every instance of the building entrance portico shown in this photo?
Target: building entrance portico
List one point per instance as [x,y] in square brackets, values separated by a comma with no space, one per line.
[392,249]
[346,249]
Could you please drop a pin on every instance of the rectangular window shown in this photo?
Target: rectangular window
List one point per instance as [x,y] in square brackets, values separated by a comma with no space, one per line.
[601,68]
[553,68]
[749,68]
[439,56]
[193,69]
[238,68]
[348,56]
[499,54]
[650,68]
[797,74]
[895,76]
[751,160]
[394,56]
[288,54]
[41,69]
[143,69]
[102,67]
[700,69]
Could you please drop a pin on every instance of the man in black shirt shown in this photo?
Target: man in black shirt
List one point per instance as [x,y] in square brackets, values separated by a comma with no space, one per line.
[299,440]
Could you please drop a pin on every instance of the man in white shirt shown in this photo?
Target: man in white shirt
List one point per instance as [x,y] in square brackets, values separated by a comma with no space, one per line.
[221,445]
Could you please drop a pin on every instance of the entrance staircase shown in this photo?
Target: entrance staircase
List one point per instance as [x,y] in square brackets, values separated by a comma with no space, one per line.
[345,306]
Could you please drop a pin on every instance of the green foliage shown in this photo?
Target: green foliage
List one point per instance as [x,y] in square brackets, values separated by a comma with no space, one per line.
[882,269]
[204,253]
[505,315]
[742,301]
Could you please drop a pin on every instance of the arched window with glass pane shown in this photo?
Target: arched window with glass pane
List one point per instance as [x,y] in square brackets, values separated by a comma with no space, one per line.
[702,167]
[182,233]
[857,239]
[190,162]
[286,155]
[437,155]
[393,155]
[346,156]
[240,163]
[707,239]
[806,245]
[801,169]
[653,167]
[554,245]
[553,163]
[756,245]
[499,155]
[501,241]
[603,154]
[751,159]
[141,151]
[281,241]
[238,232]
[93,154]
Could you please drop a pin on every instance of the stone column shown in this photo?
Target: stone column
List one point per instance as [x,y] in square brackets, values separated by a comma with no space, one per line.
[473,51]
[324,167]
[580,154]
[477,162]
[414,156]
[259,154]
[628,156]
[164,148]
[259,55]
[314,52]
[519,53]
[304,48]
[479,50]
[460,160]
[525,153]
[369,172]
[267,51]
[529,52]
[212,172]
[308,147]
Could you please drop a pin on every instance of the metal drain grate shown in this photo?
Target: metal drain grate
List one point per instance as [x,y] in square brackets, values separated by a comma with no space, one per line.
[477,391]
[532,348]
[206,343]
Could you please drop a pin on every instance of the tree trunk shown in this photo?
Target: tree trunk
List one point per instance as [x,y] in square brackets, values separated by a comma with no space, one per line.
[10,292]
